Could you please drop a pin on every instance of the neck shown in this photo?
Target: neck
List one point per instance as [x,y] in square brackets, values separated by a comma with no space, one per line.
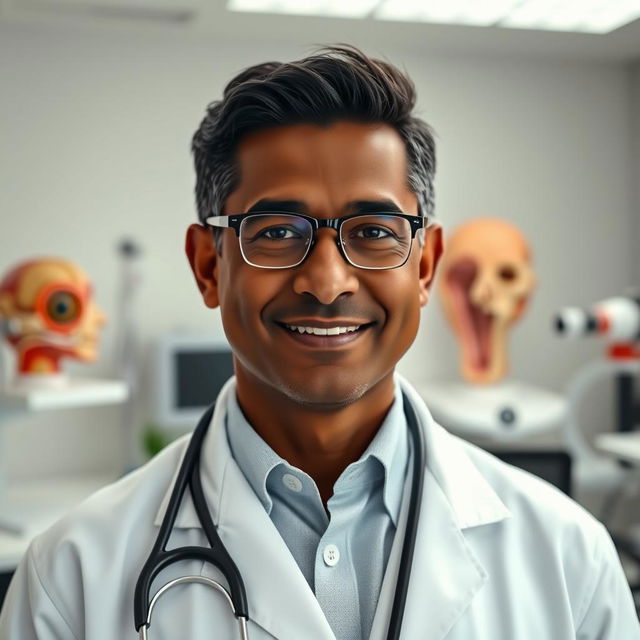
[320,439]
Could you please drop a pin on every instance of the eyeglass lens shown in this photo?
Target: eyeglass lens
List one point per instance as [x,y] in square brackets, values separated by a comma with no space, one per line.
[380,241]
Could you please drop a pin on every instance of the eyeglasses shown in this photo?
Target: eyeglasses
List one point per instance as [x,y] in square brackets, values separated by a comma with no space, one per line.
[278,240]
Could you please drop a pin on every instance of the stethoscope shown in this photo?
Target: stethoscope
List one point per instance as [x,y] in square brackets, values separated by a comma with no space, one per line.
[189,475]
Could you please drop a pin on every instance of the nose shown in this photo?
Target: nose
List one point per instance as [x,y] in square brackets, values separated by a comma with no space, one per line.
[325,274]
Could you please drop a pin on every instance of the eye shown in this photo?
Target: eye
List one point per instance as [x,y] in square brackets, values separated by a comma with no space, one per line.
[63,307]
[279,233]
[507,273]
[371,232]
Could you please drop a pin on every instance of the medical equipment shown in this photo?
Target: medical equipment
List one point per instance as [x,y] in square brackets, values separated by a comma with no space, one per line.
[614,319]
[617,321]
[189,475]
[190,368]
[127,345]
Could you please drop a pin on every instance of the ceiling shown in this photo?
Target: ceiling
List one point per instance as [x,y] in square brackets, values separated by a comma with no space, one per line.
[199,18]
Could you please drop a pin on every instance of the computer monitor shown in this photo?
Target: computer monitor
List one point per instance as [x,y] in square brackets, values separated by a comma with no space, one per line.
[191,369]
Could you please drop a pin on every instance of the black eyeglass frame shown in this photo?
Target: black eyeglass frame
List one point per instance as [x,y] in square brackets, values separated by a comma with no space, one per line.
[234,221]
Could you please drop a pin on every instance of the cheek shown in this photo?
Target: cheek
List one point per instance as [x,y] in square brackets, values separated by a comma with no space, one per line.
[243,298]
[400,296]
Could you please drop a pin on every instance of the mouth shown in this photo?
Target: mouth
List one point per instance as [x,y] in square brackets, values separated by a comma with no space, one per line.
[325,334]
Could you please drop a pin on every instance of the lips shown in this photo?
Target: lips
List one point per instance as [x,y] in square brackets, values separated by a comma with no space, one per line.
[325,333]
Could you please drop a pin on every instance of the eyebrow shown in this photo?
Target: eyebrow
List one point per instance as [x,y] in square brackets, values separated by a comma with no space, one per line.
[288,206]
[374,206]
[383,205]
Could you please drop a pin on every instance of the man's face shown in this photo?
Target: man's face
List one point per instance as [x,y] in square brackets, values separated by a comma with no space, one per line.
[324,172]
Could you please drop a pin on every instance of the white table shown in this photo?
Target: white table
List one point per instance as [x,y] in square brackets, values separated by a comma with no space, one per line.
[507,411]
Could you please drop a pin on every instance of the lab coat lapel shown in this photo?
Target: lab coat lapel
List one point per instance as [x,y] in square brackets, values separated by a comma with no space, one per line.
[279,598]
[445,575]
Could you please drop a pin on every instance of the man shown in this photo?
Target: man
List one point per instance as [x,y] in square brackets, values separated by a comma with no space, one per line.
[308,465]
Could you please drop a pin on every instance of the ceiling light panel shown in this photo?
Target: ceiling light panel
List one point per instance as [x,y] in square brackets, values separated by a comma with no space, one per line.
[593,16]
[332,8]
[596,16]
[450,11]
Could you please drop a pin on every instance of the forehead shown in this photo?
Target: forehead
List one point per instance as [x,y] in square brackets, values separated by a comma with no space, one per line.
[322,166]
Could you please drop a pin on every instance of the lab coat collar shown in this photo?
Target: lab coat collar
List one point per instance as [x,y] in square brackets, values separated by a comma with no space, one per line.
[469,496]
[445,575]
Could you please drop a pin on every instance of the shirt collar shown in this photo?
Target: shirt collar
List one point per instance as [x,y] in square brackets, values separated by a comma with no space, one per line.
[389,447]
[472,499]
[253,455]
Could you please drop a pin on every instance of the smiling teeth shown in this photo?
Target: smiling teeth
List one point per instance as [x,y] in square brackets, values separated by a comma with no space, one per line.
[318,331]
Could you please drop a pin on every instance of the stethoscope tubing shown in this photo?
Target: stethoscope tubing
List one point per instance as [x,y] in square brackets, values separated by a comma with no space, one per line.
[409,542]
[189,475]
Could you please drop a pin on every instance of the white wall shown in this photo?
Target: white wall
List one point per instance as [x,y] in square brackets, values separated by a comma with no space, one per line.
[635,167]
[95,131]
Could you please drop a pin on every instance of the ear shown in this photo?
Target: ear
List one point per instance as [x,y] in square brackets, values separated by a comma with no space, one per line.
[203,258]
[431,252]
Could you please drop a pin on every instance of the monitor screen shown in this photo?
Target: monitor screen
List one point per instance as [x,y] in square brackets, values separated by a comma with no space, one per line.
[190,370]
[199,376]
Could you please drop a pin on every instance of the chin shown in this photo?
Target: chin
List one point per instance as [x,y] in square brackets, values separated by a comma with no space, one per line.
[328,392]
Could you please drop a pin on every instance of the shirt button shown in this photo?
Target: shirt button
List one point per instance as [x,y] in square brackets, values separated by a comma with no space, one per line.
[331,555]
[291,482]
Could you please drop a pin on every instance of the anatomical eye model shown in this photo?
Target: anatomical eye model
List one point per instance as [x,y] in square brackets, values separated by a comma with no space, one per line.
[486,281]
[47,314]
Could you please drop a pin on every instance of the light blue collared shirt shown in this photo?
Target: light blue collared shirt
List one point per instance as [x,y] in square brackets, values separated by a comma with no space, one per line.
[343,557]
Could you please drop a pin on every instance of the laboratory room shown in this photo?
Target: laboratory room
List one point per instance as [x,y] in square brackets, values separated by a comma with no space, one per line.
[423,423]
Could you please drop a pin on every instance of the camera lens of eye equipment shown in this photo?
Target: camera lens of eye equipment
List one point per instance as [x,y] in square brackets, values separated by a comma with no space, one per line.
[616,319]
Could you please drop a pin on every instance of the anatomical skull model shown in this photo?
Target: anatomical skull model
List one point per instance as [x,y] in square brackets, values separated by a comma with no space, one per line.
[47,314]
[486,280]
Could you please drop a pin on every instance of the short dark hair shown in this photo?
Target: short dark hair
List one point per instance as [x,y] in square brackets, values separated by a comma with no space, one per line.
[336,83]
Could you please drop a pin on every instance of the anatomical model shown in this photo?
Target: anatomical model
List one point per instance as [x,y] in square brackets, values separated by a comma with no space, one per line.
[486,281]
[47,314]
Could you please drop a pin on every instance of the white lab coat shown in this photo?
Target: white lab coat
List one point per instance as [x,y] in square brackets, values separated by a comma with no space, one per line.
[500,555]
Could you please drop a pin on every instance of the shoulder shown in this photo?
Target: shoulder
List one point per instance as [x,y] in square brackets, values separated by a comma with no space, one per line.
[551,538]
[107,537]
[562,547]
[527,496]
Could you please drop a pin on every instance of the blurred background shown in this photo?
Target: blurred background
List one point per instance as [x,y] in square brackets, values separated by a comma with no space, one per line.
[537,125]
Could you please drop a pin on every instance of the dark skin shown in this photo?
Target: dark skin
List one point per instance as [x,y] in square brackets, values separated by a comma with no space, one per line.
[317,403]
